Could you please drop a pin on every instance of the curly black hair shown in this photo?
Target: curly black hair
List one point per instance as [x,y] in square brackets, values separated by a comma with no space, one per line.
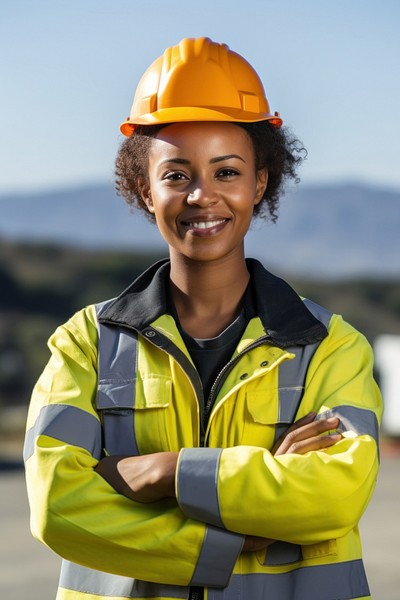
[275,149]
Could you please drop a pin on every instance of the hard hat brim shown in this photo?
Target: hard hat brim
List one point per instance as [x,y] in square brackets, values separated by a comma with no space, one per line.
[188,114]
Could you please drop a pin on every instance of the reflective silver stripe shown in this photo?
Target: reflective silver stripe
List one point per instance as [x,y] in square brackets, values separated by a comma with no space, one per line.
[67,424]
[217,559]
[359,420]
[197,484]
[292,374]
[82,579]
[341,581]
[116,393]
[322,314]
[116,360]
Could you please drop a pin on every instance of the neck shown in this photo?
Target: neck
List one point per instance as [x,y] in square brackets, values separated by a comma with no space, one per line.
[207,296]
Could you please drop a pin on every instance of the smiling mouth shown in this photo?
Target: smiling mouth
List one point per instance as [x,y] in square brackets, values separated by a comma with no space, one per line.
[204,224]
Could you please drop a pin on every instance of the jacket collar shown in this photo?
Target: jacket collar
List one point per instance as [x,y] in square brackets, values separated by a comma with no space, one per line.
[285,318]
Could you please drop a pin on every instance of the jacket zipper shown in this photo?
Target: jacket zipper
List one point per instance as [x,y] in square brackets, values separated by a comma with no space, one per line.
[197,593]
[222,375]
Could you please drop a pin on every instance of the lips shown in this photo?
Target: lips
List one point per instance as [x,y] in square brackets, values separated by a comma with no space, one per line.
[204,227]
[203,224]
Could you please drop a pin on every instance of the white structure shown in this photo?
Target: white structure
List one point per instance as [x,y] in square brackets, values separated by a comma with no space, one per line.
[387,361]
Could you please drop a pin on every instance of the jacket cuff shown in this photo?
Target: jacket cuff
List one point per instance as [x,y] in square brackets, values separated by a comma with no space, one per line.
[196,484]
[218,555]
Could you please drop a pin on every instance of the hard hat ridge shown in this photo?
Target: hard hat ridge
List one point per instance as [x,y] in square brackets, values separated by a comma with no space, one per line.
[199,80]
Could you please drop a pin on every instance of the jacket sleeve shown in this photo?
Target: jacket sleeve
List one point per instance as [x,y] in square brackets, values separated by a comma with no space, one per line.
[74,510]
[301,499]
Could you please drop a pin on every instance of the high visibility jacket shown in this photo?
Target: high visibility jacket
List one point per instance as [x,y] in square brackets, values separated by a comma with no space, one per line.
[228,482]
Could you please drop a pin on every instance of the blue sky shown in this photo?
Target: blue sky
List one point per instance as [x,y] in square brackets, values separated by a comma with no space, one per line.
[69,69]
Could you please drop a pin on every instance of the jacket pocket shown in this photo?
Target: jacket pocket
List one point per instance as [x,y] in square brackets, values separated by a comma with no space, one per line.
[276,406]
[283,553]
[263,406]
[280,553]
[153,392]
[261,415]
[153,399]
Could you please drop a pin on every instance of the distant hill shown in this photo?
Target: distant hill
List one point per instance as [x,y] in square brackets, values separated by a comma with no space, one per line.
[323,231]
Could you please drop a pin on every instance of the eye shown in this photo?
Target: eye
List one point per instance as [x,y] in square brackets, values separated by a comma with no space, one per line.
[227,173]
[174,176]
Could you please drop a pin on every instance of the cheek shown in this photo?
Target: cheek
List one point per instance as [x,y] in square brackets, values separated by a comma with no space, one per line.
[166,202]
[165,212]
[163,208]
[244,197]
[156,199]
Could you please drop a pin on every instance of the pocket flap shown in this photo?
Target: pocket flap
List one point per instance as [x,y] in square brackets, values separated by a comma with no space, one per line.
[153,392]
[263,406]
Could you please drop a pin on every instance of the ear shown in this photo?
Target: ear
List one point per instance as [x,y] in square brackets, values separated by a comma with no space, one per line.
[261,185]
[145,194]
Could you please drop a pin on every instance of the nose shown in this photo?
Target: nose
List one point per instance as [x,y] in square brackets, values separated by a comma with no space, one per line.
[202,194]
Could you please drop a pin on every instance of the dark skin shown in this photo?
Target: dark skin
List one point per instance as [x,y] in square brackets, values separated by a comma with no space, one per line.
[201,174]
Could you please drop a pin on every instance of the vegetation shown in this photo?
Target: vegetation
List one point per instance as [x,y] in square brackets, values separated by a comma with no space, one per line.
[42,285]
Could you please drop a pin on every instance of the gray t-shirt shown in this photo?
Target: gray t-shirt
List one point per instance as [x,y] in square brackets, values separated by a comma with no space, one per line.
[212,354]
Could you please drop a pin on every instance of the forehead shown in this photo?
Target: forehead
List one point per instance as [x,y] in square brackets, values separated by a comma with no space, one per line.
[202,139]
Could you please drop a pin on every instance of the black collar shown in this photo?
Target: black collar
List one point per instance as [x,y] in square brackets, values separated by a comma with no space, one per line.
[285,318]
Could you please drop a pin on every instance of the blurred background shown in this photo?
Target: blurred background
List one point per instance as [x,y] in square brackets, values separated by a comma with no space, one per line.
[68,72]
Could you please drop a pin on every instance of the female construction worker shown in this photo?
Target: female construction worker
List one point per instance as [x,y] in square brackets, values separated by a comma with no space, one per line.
[208,433]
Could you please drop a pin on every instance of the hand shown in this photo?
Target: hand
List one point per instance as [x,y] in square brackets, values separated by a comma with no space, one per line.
[144,478]
[305,435]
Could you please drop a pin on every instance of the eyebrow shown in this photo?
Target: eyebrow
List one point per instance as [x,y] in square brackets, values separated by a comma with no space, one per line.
[179,161]
[226,157]
[184,161]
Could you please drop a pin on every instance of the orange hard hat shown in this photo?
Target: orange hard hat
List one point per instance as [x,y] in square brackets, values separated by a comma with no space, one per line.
[199,80]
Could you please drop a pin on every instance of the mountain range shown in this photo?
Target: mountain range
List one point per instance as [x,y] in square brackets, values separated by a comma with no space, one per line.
[323,231]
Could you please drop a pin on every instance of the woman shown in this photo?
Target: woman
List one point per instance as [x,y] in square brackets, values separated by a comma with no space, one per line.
[208,433]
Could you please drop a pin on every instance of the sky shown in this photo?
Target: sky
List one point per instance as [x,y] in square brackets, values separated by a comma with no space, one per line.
[69,68]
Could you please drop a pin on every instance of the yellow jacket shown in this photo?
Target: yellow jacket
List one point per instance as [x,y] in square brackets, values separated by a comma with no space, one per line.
[232,487]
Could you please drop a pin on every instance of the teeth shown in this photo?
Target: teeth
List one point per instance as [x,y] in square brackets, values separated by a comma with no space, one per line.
[206,224]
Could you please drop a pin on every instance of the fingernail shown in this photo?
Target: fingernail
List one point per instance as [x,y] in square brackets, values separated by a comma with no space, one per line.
[332,420]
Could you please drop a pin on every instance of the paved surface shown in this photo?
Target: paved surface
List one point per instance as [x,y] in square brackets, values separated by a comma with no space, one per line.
[28,571]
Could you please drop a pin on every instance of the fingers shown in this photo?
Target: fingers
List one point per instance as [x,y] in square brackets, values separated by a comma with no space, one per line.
[312,429]
[309,444]
[300,423]
[307,434]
